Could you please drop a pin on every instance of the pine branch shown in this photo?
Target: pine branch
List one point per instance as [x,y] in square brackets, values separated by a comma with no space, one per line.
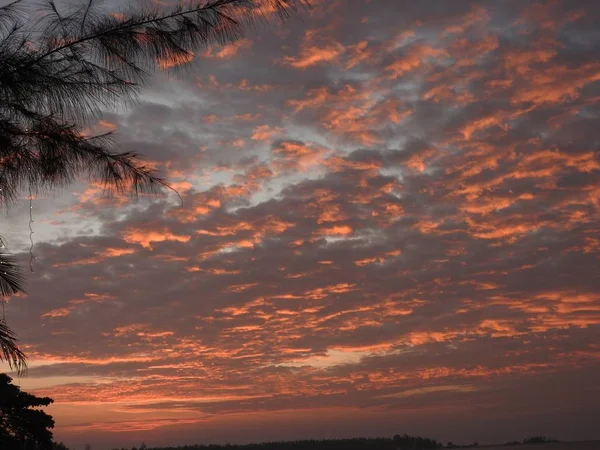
[49,154]
[9,13]
[202,10]
[52,86]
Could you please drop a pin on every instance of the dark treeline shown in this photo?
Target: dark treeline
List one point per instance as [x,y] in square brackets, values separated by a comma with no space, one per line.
[398,442]
[534,440]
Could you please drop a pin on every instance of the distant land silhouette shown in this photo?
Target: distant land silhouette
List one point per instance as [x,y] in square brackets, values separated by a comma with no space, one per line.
[398,442]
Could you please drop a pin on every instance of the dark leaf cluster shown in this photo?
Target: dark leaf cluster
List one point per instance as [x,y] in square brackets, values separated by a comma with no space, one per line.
[22,425]
[9,349]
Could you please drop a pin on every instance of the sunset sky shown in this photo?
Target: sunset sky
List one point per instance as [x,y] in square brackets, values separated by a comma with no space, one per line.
[390,224]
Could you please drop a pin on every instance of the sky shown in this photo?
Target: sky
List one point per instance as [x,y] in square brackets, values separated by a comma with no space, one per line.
[390,224]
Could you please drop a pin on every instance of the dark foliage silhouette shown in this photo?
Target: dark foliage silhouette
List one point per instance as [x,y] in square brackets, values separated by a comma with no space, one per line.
[11,282]
[22,426]
[9,350]
[60,71]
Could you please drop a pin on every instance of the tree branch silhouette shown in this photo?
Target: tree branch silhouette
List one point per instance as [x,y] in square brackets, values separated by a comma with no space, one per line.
[61,71]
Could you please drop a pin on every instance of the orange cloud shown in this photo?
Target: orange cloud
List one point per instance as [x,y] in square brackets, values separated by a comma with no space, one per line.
[265,132]
[227,51]
[337,230]
[296,155]
[240,287]
[314,52]
[416,57]
[175,60]
[556,84]
[310,56]
[358,53]
[146,237]
[61,312]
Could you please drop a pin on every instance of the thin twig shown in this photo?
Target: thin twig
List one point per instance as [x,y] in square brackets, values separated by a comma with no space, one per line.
[31,257]
[176,193]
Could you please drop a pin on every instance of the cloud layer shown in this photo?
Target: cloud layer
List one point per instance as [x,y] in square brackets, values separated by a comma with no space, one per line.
[390,223]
